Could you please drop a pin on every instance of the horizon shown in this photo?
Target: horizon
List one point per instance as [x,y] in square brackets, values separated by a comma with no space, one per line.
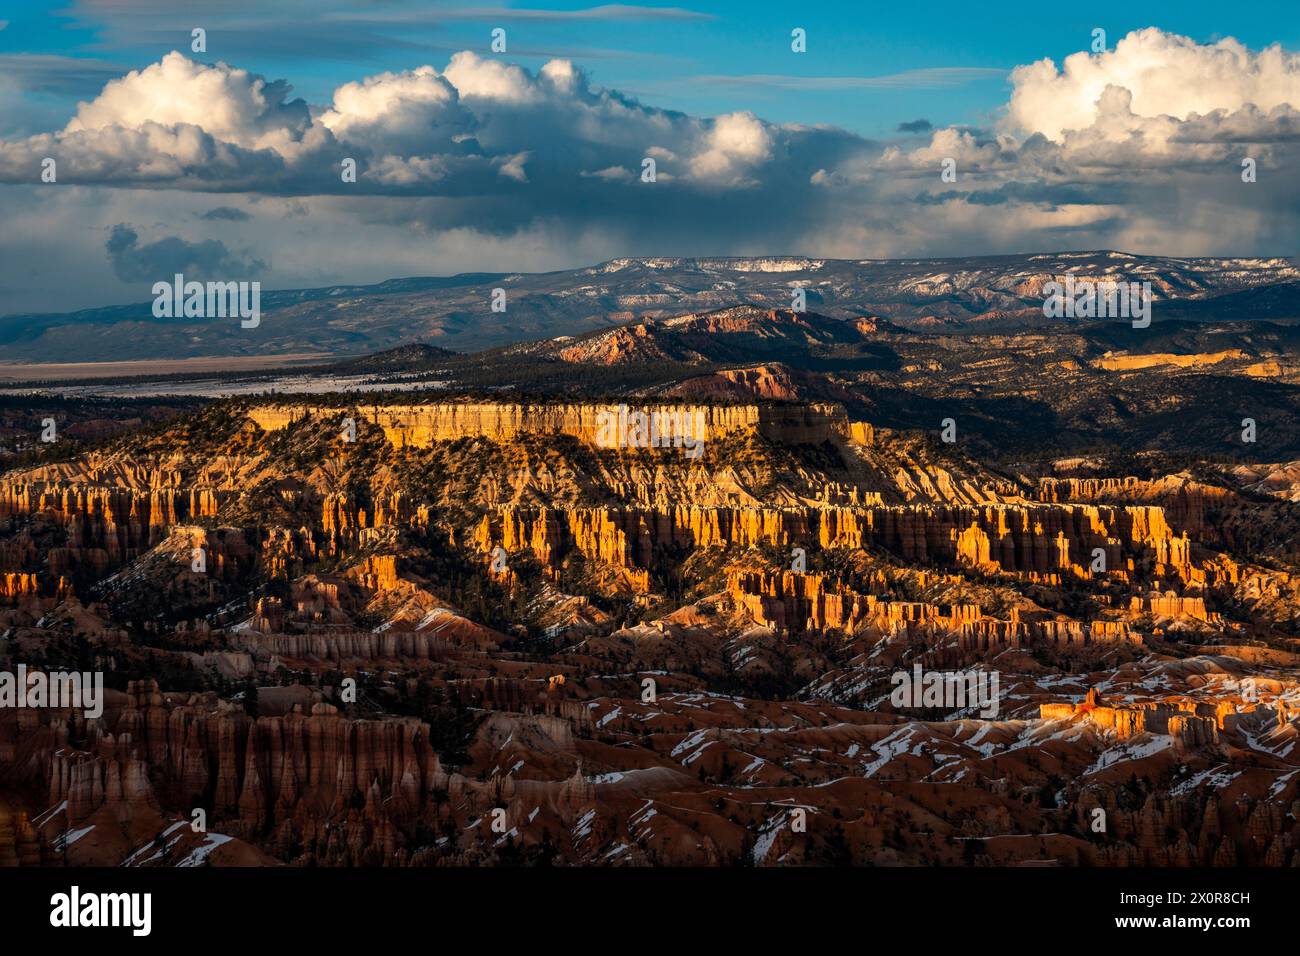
[594,265]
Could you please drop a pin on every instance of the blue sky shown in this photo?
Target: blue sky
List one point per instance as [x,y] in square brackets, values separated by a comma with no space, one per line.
[226,163]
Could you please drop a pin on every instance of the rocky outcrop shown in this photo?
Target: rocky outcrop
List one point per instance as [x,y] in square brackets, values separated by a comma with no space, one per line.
[1113,362]
[310,781]
[390,645]
[289,775]
[1031,539]
[1191,723]
[624,688]
[121,522]
[1172,605]
[1183,500]
[16,585]
[762,382]
[793,603]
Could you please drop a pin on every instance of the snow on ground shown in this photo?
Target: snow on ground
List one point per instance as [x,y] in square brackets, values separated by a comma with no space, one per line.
[899,742]
[1131,750]
[200,854]
[1214,777]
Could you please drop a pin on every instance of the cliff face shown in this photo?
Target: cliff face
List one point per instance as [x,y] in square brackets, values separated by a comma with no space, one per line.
[1171,605]
[77,522]
[770,382]
[1147,360]
[1184,501]
[15,586]
[123,522]
[1057,540]
[257,772]
[100,527]
[338,648]
[419,426]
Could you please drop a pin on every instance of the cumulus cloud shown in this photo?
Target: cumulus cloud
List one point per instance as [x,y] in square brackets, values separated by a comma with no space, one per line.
[411,113]
[186,125]
[735,145]
[232,105]
[1164,74]
[1157,117]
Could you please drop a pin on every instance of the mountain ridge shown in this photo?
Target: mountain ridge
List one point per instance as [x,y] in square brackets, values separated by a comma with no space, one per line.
[998,292]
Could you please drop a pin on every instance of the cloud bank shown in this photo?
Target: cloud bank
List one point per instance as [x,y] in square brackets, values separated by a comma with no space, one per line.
[1139,148]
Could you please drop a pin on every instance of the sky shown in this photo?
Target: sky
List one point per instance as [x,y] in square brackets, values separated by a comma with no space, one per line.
[226,162]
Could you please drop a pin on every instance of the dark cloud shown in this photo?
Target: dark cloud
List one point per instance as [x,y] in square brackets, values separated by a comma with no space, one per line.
[209,259]
[1041,192]
[225,214]
[916,126]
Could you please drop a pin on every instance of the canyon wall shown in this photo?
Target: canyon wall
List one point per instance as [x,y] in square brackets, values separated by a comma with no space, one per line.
[793,603]
[1184,501]
[419,426]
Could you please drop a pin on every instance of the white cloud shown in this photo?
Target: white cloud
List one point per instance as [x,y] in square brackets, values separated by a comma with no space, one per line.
[512,167]
[231,105]
[1166,75]
[1158,105]
[187,125]
[733,145]
[413,113]
[477,78]
[614,173]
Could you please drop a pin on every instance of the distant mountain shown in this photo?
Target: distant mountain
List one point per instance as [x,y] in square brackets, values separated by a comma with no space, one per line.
[988,292]
[739,334]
